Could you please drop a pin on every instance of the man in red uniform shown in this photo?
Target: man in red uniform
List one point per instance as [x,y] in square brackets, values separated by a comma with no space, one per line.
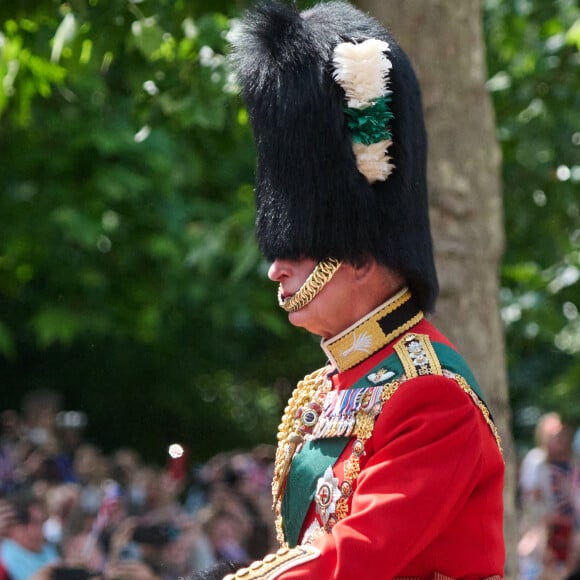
[389,464]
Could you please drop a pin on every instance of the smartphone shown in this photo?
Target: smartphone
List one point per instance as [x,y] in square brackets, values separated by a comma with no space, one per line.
[155,535]
[130,552]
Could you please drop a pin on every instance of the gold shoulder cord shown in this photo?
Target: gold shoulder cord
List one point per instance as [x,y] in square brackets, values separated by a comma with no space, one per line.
[484,410]
[312,388]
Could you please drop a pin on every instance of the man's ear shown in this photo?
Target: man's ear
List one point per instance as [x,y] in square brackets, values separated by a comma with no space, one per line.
[373,272]
[364,269]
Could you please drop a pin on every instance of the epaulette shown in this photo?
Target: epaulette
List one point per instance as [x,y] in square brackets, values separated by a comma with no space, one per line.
[419,357]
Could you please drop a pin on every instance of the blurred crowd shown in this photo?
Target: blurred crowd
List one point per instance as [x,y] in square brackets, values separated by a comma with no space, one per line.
[549,503]
[68,511]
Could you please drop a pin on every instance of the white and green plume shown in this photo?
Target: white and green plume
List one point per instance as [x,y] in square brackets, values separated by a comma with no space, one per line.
[362,70]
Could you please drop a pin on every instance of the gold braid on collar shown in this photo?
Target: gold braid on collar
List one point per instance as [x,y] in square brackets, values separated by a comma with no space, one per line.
[320,276]
[372,332]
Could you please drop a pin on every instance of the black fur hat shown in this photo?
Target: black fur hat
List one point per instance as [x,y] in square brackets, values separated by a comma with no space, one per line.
[311,199]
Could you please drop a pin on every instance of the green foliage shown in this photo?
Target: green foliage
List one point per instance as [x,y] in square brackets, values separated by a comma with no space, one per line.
[129,274]
[23,72]
[534,65]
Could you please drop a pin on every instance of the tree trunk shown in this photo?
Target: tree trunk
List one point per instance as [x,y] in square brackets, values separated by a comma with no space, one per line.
[444,41]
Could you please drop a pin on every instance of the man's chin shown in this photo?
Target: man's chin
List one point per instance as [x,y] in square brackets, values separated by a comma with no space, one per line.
[302,319]
[299,319]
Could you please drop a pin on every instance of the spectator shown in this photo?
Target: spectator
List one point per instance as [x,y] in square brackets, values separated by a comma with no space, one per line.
[60,500]
[25,552]
[558,491]
[125,465]
[231,500]
[70,427]
[7,518]
[226,532]
[90,469]
[547,426]
[547,548]
[9,442]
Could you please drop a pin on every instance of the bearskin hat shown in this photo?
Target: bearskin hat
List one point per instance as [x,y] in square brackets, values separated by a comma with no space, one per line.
[315,194]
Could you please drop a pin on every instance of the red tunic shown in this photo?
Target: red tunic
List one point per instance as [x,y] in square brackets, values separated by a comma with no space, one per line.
[429,495]
[428,498]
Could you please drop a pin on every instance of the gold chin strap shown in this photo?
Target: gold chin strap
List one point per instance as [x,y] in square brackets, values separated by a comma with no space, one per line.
[320,276]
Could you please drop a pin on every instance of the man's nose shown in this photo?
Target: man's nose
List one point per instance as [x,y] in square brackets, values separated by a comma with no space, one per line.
[278,270]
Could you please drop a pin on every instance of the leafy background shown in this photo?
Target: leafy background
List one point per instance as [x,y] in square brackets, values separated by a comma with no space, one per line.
[534,65]
[129,276]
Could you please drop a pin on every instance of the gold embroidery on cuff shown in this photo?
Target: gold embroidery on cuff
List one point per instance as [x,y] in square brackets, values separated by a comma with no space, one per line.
[275,564]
